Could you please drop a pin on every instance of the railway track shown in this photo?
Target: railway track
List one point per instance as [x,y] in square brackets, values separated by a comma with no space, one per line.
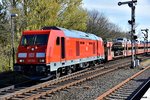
[16,87]
[129,88]
[46,88]
[141,91]
[19,84]
[10,90]
[26,84]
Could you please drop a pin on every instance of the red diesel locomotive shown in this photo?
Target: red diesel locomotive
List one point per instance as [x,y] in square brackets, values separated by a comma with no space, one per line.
[55,50]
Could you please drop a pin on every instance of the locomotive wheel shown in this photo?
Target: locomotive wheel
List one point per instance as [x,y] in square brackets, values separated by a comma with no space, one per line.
[58,74]
[69,71]
[73,68]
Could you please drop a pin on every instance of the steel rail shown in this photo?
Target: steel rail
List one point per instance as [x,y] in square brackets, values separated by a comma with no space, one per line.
[11,87]
[7,88]
[38,95]
[54,82]
[101,97]
[141,91]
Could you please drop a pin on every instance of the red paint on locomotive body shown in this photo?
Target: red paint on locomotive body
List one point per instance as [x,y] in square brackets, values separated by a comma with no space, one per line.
[31,48]
[52,49]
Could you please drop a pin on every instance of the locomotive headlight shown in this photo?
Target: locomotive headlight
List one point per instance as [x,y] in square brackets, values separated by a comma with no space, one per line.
[21,60]
[41,60]
[40,68]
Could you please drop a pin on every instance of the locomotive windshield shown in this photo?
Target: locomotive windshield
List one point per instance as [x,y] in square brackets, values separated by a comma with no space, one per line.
[40,39]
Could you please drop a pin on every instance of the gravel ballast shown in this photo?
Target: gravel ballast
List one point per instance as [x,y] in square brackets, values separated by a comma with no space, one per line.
[91,89]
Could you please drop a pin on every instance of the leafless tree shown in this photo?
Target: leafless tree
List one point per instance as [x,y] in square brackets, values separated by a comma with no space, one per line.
[99,24]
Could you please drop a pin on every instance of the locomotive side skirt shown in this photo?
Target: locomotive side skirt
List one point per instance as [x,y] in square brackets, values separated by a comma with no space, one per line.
[55,65]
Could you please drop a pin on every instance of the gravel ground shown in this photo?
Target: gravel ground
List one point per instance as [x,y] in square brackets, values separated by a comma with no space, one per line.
[91,89]
[129,89]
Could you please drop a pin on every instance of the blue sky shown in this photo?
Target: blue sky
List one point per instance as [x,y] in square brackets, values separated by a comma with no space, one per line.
[121,14]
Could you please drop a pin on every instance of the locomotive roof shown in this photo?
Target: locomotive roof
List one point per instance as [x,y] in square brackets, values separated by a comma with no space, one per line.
[74,33]
[79,34]
[68,33]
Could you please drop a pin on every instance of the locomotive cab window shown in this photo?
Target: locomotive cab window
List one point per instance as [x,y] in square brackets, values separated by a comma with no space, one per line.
[40,39]
[58,41]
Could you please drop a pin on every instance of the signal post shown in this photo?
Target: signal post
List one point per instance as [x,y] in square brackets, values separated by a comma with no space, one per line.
[131,4]
[145,40]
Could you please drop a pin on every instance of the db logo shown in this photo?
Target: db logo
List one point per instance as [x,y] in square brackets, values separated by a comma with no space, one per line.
[31,55]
